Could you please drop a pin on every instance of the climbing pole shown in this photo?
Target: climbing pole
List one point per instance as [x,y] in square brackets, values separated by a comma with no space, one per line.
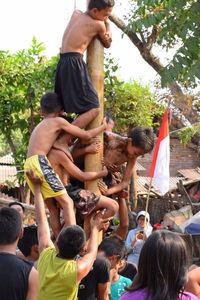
[95,64]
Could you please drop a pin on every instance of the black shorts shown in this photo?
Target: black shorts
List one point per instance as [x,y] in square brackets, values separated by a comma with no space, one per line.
[73,84]
[84,200]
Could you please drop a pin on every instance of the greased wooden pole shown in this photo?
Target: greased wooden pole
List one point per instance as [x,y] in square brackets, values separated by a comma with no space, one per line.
[95,61]
[95,64]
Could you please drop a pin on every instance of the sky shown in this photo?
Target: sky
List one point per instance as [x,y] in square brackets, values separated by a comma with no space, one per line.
[46,20]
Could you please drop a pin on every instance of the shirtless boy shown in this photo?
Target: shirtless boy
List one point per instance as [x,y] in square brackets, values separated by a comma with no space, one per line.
[119,150]
[85,201]
[41,141]
[73,83]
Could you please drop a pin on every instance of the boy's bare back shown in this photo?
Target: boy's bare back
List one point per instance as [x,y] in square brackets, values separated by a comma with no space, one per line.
[44,136]
[46,132]
[80,31]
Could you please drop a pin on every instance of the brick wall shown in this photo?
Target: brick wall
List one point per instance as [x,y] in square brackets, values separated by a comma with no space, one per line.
[180,158]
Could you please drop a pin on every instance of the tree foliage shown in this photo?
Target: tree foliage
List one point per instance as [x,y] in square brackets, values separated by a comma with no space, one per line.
[132,103]
[171,23]
[187,134]
[24,77]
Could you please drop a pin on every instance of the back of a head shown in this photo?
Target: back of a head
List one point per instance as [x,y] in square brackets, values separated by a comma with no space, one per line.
[113,245]
[100,4]
[163,265]
[28,240]
[51,103]
[17,203]
[10,225]
[71,241]
[142,137]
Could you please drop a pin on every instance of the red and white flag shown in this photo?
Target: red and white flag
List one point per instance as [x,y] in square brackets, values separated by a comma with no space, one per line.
[160,165]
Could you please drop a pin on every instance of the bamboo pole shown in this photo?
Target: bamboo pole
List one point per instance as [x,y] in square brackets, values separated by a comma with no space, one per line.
[134,187]
[147,204]
[95,64]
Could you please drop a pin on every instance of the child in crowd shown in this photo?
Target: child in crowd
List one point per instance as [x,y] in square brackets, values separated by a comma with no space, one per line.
[113,248]
[41,141]
[119,150]
[28,244]
[18,206]
[18,278]
[73,83]
[118,283]
[59,270]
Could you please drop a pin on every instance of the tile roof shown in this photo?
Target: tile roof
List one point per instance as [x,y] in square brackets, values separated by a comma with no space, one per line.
[190,173]
[8,174]
[143,184]
[7,160]
[139,167]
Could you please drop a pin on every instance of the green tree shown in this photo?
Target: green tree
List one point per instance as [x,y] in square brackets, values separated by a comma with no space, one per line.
[24,78]
[172,23]
[167,23]
[132,103]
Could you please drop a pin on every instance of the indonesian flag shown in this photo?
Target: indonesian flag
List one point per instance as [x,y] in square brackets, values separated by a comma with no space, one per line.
[160,165]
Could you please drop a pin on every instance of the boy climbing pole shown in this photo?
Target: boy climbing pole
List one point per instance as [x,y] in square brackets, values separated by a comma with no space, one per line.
[73,83]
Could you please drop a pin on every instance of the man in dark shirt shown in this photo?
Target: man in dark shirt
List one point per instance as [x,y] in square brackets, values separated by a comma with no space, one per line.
[95,284]
[18,278]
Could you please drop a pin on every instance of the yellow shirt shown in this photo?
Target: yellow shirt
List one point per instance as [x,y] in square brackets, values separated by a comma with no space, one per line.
[58,277]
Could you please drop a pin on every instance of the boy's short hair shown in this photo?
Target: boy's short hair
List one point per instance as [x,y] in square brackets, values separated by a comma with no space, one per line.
[71,241]
[28,240]
[100,4]
[10,225]
[113,245]
[142,137]
[17,203]
[51,103]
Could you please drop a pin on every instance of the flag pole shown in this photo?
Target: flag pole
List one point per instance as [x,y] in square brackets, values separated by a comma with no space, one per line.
[160,164]
[147,202]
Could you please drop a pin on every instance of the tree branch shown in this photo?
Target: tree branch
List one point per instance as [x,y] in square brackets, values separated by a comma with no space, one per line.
[180,100]
[152,38]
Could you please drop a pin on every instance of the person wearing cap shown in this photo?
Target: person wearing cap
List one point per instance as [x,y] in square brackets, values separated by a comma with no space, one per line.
[136,237]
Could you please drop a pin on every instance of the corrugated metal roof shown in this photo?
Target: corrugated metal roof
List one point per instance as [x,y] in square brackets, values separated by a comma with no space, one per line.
[143,184]
[6,197]
[190,173]
[139,167]
[8,173]
[7,160]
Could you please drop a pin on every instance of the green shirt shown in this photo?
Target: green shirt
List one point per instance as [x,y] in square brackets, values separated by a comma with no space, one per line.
[117,288]
[58,276]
